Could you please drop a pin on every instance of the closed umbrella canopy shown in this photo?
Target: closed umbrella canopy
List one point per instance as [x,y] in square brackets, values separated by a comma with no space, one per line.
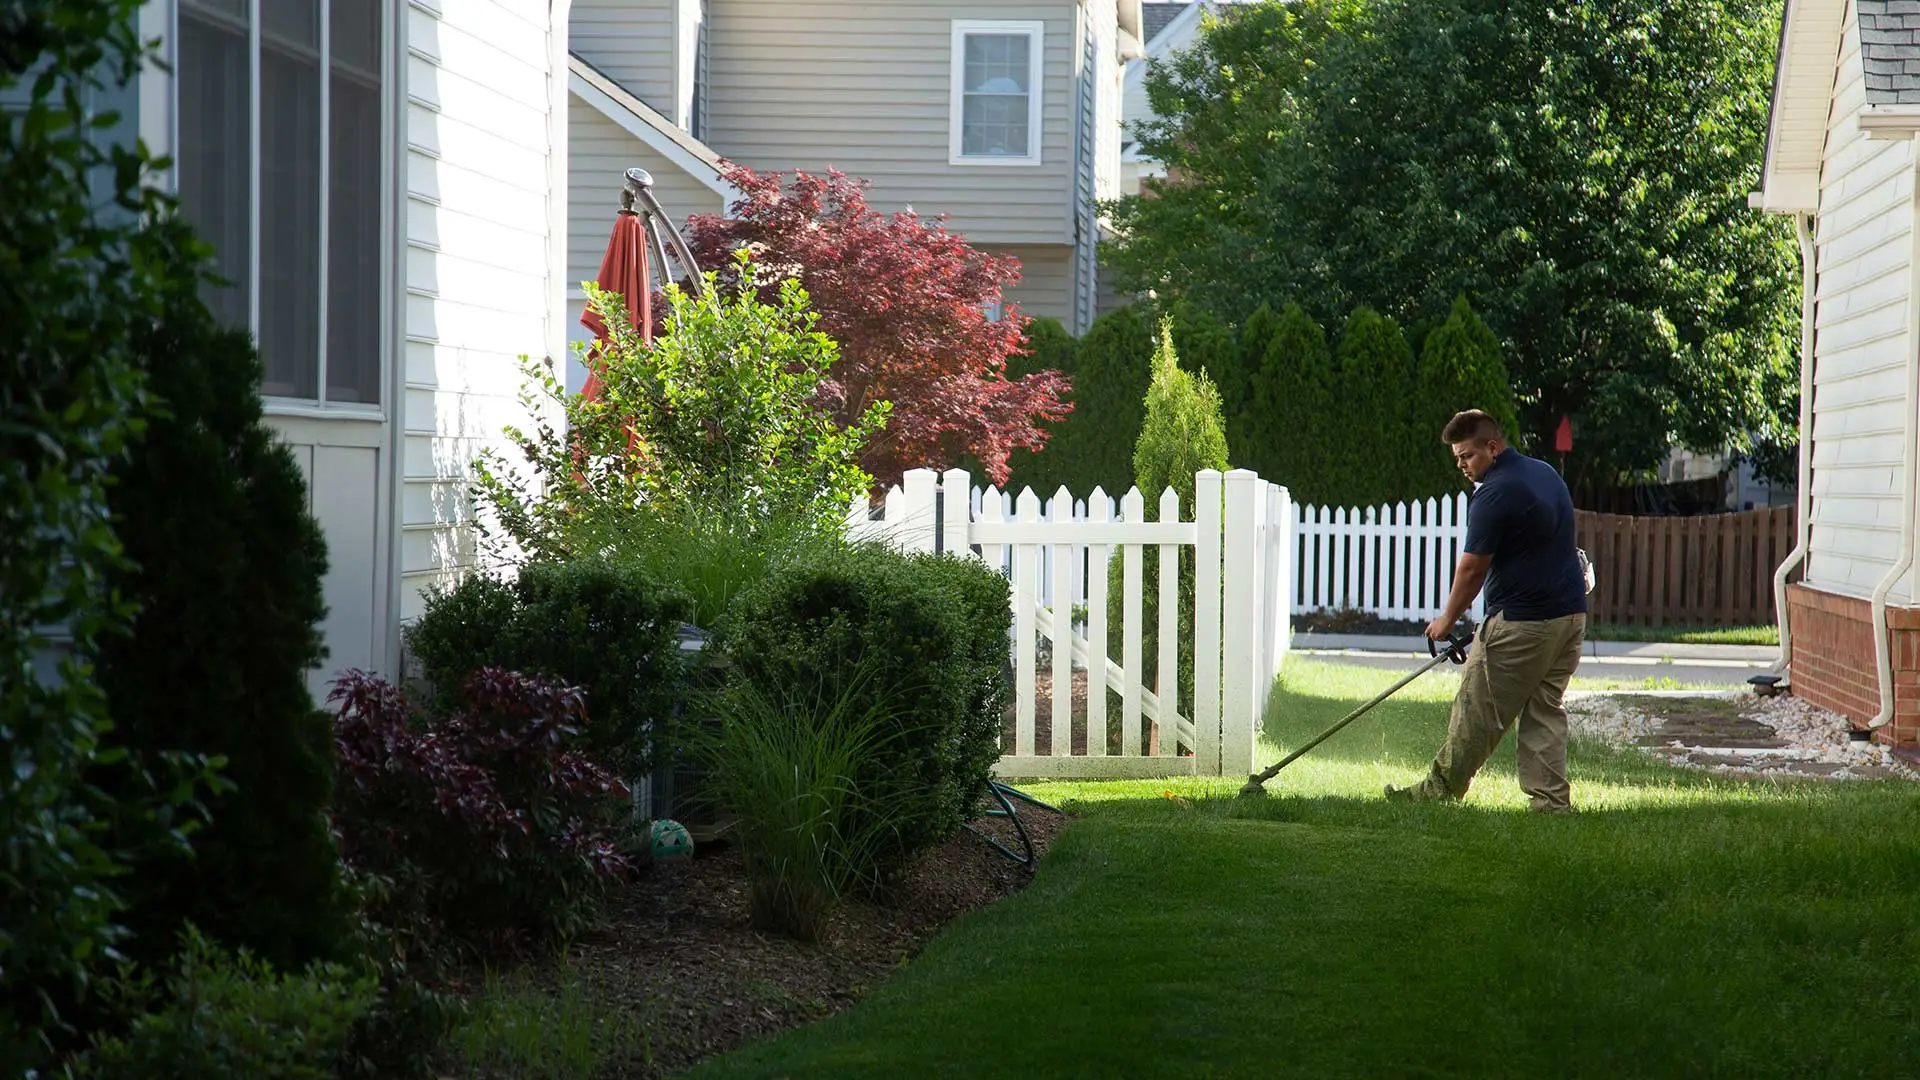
[624,271]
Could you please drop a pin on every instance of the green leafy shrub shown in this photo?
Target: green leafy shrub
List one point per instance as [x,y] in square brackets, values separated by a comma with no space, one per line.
[608,628]
[797,766]
[232,1017]
[724,410]
[91,253]
[227,572]
[934,630]
[411,1013]
[713,554]
[491,825]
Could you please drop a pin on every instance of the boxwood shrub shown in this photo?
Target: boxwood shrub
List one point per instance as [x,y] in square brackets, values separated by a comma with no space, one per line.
[611,630]
[933,632]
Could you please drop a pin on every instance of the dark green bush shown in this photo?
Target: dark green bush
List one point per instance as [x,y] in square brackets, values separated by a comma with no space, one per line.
[1461,367]
[88,254]
[217,1016]
[228,567]
[1291,442]
[933,632]
[610,630]
[1053,349]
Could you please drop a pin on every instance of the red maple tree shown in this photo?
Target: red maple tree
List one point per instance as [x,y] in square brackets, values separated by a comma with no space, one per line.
[907,302]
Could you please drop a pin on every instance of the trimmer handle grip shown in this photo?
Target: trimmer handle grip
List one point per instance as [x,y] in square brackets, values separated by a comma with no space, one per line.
[1455,649]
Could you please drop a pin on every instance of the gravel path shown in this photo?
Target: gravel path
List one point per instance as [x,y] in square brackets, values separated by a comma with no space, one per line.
[1813,741]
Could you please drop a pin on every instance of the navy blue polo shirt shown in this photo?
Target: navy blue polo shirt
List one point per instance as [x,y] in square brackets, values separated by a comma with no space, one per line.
[1522,516]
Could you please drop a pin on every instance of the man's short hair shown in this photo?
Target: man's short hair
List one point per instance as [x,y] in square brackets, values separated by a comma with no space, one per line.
[1471,426]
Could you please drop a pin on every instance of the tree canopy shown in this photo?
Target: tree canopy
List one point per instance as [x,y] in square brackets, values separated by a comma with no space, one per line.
[1578,171]
[907,303]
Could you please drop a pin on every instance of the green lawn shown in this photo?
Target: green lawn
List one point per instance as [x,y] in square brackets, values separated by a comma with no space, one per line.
[1683,635]
[1681,925]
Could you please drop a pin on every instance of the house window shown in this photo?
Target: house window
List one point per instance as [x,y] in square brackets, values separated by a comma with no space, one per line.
[281,137]
[996,93]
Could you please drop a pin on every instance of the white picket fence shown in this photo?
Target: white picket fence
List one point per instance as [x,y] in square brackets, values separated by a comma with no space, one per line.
[1057,556]
[1395,562]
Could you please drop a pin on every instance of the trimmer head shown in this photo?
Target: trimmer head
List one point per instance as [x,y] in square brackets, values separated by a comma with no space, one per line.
[1455,650]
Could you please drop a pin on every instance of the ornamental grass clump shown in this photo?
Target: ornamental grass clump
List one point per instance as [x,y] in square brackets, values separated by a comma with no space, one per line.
[797,768]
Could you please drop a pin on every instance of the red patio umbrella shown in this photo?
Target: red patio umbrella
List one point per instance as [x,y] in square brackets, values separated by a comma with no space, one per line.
[623,270]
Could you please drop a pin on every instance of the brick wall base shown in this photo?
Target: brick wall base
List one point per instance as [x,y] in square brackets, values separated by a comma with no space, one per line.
[1833,663]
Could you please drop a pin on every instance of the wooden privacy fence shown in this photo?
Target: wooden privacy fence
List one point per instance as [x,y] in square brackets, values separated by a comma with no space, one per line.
[1714,570]
[1057,556]
[1396,562]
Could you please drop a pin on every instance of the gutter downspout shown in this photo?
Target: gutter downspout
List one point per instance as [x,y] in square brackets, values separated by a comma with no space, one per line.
[1910,453]
[1809,281]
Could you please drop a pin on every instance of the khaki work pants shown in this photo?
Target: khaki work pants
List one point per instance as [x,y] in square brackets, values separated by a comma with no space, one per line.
[1514,670]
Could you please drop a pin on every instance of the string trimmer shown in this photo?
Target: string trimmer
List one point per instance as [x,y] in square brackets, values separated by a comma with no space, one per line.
[1455,650]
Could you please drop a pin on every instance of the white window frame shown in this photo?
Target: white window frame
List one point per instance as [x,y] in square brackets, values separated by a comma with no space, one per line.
[1036,71]
[391,23]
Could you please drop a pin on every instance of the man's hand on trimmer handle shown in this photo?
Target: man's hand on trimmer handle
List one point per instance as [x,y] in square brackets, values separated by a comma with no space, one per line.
[1441,629]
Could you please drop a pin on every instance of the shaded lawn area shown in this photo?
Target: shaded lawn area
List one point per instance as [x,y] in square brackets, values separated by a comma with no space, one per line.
[1680,925]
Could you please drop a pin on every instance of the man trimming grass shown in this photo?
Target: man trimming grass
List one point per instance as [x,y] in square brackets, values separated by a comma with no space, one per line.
[1520,545]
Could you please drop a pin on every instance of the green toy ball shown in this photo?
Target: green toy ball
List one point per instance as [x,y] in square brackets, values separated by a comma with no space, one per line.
[670,839]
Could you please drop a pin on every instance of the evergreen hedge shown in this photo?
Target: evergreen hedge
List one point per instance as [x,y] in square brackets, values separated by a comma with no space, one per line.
[227,569]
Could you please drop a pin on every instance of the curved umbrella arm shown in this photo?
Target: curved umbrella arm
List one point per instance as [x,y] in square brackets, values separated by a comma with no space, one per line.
[639,189]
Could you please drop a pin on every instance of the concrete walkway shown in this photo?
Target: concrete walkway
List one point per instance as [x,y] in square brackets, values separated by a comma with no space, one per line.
[1688,665]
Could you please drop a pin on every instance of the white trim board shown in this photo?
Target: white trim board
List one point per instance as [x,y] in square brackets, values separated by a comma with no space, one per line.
[649,126]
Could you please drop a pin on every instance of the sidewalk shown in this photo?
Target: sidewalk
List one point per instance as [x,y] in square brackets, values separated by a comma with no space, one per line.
[1623,652]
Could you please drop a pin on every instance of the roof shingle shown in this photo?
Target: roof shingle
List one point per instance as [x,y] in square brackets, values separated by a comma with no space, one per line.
[1156,14]
[1890,50]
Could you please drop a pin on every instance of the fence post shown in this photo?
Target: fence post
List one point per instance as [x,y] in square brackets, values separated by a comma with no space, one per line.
[1283,596]
[1238,694]
[1026,569]
[1206,621]
[956,512]
[1060,712]
[1132,508]
[1099,511]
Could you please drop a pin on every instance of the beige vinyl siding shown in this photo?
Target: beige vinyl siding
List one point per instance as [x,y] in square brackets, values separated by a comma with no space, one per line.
[1864,238]
[865,88]
[633,42]
[599,153]
[480,260]
[1046,281]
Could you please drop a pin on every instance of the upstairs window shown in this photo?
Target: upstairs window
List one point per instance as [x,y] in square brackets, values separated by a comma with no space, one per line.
[281,148]
[996,84]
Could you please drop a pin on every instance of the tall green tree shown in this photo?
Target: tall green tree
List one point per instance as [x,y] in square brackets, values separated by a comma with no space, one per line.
[1580,169]
[1246,426]
[1290,426]
[1182,433]
[1110,376]
[1049,348]
[1369,423]
[1460,368]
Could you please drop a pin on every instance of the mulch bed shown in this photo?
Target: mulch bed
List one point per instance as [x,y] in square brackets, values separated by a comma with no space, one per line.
[679,951]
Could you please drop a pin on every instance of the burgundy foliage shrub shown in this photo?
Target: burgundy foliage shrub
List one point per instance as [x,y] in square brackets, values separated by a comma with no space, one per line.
[492,829]
[907,302]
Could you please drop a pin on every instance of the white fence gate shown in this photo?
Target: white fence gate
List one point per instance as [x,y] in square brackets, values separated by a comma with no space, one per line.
[1393,562]
[1057,558]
